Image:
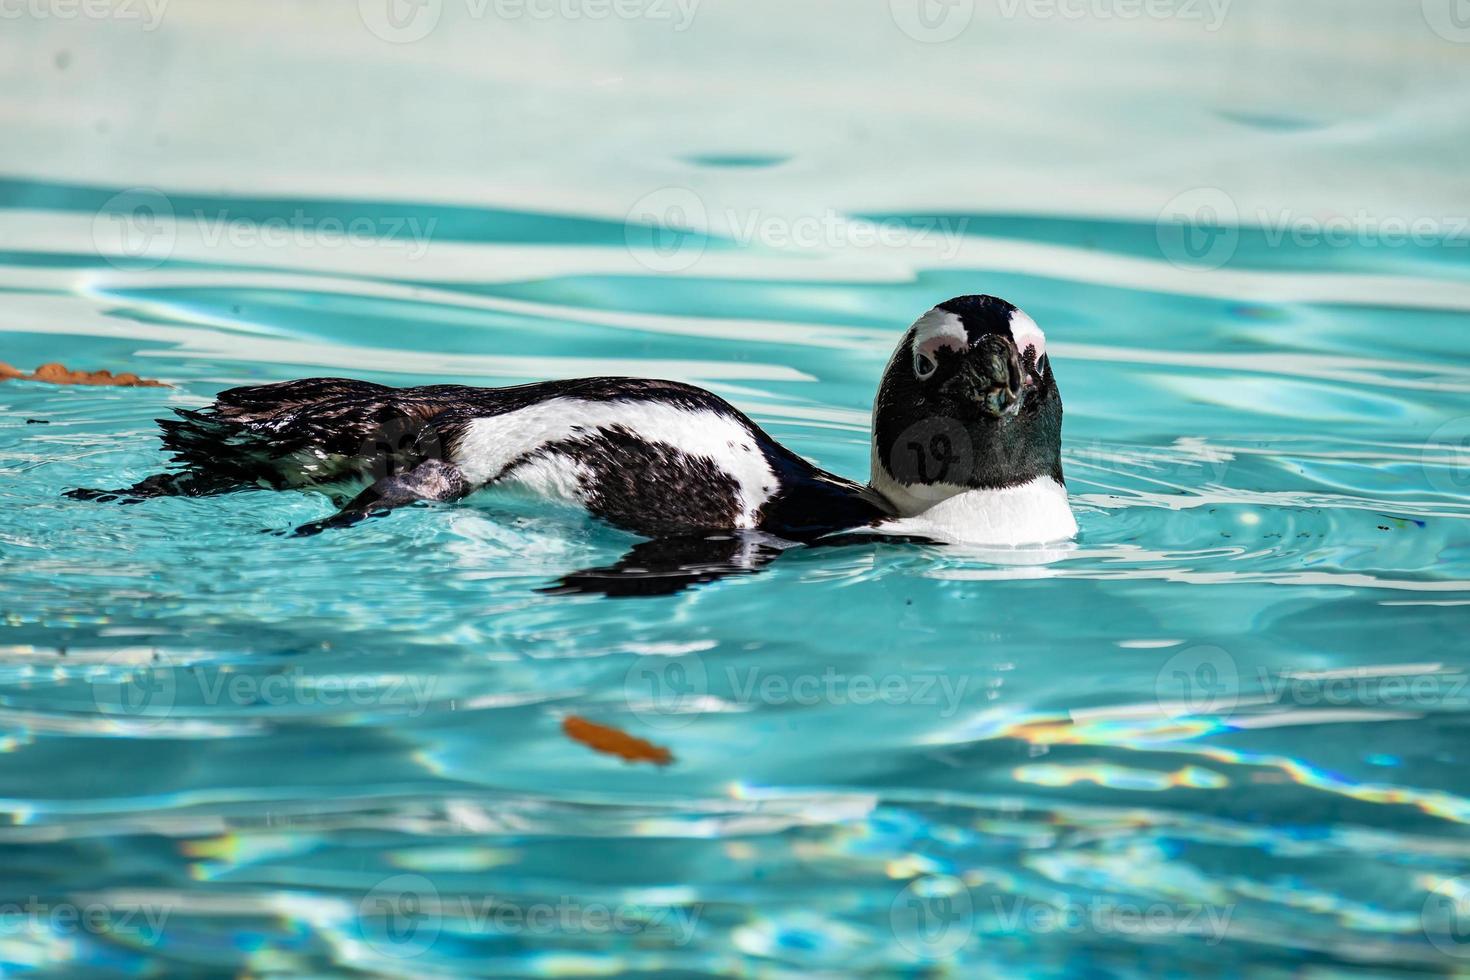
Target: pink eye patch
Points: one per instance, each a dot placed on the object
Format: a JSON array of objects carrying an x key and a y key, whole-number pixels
[
  {"x": 940, "y": 330},
  {"x": 1027, "y": 334}
]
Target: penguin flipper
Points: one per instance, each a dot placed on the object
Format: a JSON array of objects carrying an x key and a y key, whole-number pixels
[
  {"x": 432, "y": 480},
  {"x": 667, "y": 566},
  {"x": 187, "y": 484}
]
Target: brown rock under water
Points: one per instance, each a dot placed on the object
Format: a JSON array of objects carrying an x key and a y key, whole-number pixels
[{"x": 59, "y": 374}]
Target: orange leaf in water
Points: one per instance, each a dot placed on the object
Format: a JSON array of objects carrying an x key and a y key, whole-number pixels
[
  {"x": 60, "y": 374},
  {"x": 613, "y": 741}
]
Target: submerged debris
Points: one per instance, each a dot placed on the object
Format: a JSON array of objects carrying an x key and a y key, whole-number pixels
[{"x": 613, "y": 741}]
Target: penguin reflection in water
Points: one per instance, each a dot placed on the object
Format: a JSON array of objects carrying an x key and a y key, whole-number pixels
[{"x": 967, "y": 431}]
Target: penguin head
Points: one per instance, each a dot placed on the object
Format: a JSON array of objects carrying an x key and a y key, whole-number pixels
[{"x": 968, "y": 402}]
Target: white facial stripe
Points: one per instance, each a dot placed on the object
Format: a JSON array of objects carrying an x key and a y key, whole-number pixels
[
  {"x": 1026, "y": 333},
  {"x": 939, "y": 329},
  {"x": 491, "y": 444}
]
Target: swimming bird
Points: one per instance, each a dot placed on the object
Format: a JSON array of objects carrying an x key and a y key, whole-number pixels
[{"x": 966, "y": 446}]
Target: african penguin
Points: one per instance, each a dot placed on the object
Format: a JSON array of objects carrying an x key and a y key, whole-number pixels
[
  {"x": 967, "y": 428},
  {"x": 966, "y": 446}
]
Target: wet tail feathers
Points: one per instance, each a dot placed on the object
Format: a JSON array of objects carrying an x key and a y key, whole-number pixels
[
  {"x": 316, "y": 430},
  {"x": 311, "y": 432}
]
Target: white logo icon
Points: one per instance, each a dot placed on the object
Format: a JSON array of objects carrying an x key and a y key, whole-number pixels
[
  {"x": 135, "y": 229},
  {"x": 1200, "y": 681},
  {"x": 933, "y": 917},
  {"x": 1199, "y": 229},
  {"x": 400, "y": 21},
  {"x": 666, "y": 230},
  {"x": 932, "y": 21},
  {"x": 665, "y": 692},
  {"x": 400, "y": 917}
]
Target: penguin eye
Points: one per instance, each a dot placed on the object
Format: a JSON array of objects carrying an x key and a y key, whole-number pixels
[{"x": 924, "y": 366}]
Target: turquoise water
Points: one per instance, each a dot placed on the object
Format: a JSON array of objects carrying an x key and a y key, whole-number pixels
[{"x": 1223, "y": 733}]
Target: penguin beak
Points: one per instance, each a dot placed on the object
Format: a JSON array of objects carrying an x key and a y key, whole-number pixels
[{"x": 991, "y": 377}]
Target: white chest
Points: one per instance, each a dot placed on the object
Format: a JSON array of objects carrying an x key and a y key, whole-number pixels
[{"x": 1033, "y": 513}]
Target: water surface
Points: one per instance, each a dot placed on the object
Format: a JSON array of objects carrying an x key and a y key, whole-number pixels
[{"x": 1223, "y": 732}]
